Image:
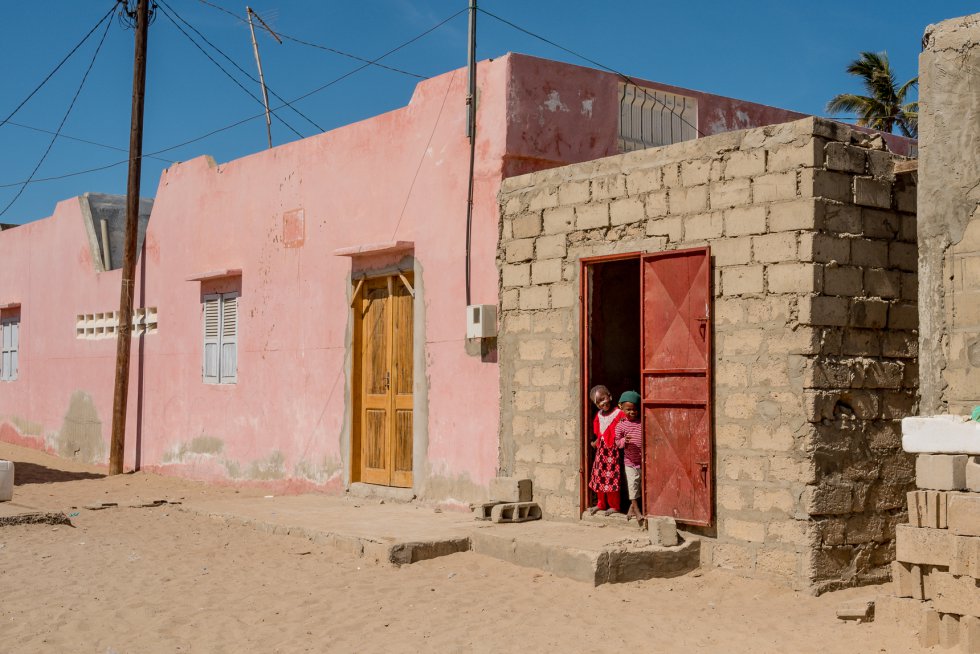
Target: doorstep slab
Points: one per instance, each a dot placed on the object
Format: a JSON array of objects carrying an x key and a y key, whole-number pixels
[{"x": 594, "y": 555}]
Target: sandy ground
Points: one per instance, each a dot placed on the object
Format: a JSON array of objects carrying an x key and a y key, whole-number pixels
[{"x": 166, "y": 580}]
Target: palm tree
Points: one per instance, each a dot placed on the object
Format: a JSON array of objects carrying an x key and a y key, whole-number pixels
[{"x": 884, "y": 107}]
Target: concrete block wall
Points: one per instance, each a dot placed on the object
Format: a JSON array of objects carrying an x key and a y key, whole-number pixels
[
  {"x": 936, "y": 575},
  {"x": 813, "y": 245},
  {"x": 949, "y": 220}
]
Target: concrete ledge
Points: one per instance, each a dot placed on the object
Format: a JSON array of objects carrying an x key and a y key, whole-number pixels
[
  {"x": 599, "y": 556},
  {"x": 941, "y": 435},
  {"x": 372, "y": 491}
]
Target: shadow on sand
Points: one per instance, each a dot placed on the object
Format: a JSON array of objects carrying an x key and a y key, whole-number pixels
[{"x": 32, "y": 473}]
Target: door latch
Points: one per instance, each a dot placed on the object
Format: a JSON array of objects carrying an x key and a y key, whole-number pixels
[
  {"x": 704, "y": 472},
  {"x": 387, "y": 381}
]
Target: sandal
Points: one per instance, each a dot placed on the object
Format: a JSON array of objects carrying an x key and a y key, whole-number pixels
[{"x": 593, "y": 510}]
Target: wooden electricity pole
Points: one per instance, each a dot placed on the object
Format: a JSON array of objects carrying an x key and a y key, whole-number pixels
[
  {"x": 125, "y": 326},
  {"x": 258, "y": 62}
]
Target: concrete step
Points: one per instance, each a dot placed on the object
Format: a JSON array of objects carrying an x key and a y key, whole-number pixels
[{"x": 591, "y": 554}]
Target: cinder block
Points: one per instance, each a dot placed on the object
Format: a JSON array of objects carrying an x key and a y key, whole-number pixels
[
  {"x": 482, "y": 511},
  {"x": 515, "y": 512},
  {"x": 510, "y": 489},
  {"x": 964, "y": 556},
  {"x": 935, "y": 505},
  {"x": 973, "y": 474},
  {"x": 917, "y": 508},
  {"x": 949, "y": 630},
  {"x": 903, "y": 581},
  {"x": 940, "y": 471},
  {"x": 909, "y": 615},
  {"x": 964, "y": 514},
  {"x": 969, "y": 635},
  {"x": 959, "y": 595},
  {"x": 662, "y": 530},
  {"x": 860, "y": 610},
  {"x": 922, "y": 545}
]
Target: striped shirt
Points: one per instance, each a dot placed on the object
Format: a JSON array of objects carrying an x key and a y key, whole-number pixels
[{"x": 629, "y": 437}]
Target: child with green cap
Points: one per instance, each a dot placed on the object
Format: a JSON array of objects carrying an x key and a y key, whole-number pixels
[{"x": 629, "y": 438}]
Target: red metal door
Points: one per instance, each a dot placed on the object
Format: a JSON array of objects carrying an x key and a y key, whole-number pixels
[{"x": 676, "y": 369}]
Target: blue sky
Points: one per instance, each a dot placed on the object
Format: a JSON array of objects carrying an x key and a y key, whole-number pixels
[{"x": 788, "y": 54}]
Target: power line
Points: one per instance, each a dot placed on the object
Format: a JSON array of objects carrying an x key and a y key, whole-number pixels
[
  {"x": 626, "y": 78},
  {"x": 75, "y": 138},
  {"x": 224, "y": 70},
  {"x": 60, "y": 64},
  {"x": 243, "y": 120},
  {"x": 242, "y": 70},
  {"x": 321, "y": 47},
  {"x": 71, "y": 105}
]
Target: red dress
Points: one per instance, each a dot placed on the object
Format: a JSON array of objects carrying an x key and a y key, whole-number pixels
[{"x": 605, "y": 467}]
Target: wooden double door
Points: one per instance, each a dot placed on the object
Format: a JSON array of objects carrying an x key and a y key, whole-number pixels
[{"x": 383, "y": 376}]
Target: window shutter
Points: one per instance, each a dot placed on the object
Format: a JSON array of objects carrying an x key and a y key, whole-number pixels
[
  {"x": 212, "y": 335},
  {"x": 229, "y": 338},
  {"x": 14, "y": 348}
]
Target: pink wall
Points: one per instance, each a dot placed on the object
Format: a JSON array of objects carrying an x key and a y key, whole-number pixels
[{"x": 400, "y": 176}]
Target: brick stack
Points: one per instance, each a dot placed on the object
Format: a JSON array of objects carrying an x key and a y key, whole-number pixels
[{"x": 936, "y": 575}]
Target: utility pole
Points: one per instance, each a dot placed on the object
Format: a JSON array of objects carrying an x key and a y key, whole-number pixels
[
  {"x": 125, "y": 325},
  {"x": 258, "y": 62},
  {"x": 471, "y": 134}
]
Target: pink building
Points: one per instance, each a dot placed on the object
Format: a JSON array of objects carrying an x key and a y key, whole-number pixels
[{"x": 302, "y": 312}]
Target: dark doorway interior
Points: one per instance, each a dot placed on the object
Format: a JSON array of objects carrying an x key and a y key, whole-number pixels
[{"x": 613, "y": 339}]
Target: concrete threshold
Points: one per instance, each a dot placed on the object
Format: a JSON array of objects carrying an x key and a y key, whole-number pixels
[
  {"x": 400, "y": 534},
  {"x": 592, "y": 554}
]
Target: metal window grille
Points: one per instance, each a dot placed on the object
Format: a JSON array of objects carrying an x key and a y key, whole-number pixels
[{"x": 650, "y": 119}]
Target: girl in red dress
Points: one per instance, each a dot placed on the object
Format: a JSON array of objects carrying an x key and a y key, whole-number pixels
[{"x": 605, "y": 468}]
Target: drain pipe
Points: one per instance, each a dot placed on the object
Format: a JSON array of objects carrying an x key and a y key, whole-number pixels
[{"x": 471, "y": 134}]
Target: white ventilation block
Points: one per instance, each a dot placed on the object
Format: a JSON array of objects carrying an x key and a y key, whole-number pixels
[
  {"x": 481, "y": 321},
  {"x": 6, "y": 481}
]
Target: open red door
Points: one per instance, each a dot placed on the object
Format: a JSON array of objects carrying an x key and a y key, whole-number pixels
[{"x": 676, "y": 368}]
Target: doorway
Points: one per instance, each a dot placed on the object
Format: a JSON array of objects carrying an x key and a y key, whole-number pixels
[
  {"x": 646, "y": 326},
  {"x": 382, "y": 381}
]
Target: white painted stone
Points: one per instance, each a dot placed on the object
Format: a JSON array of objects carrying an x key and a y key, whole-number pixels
[{"x": 941, "y": 435}]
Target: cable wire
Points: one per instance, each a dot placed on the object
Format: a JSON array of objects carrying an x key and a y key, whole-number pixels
[
  {"x": 240, "y": 69},
  {"x": 243, "y": 120},
  {"x": 71, "y": 105},
  {"x": 319, "y": 46},
  {"x": 626, "y": 78},
  {"x": 79, "y": 139},
  {"x": 60, "y": 64},
  {"x": 224, "y": 70}
]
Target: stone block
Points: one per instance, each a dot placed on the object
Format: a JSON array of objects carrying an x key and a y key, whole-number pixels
[
  {"x": 904, "y": 582},
  {"x": 824, "y": 310},
  {"x": 860, "y": 610},
  {"x": 729, "y": 193},
  {"x": 546, "y": 271},
  {"x": 482, "y": 511},
  {"x": 574, "y": 192},
  {"x": 543, "y": 199},
  {"x": 535, "y": 297},
  {"x": 644, "y": 181},
  {"x": 626, "y": 210},
  {"x": 909, "y": 615},
  {"x": 963, "y": 513},
  {"x": 869, "y": 253},
  {"x": 592, "y": 216},
  {"x": 959, "y": 595},
  {"x": 740, "y": 280},
  {"x": 794, "y": 278},
  {"x": 608, "y": 187},
  {"x": 558, "y": 221},
  {"x": 695, "y": 172},
  {"x": 732, "y": 251},
  {"x": 662, "y": 531},
  {"x": 904, "y": 256},
  {"x": 656, "y": 204},
  {"x": 870, "y": 192},
  {"x": 519, "y": 250},
  {"x": 969, "y": 634},
  {"x": 742, "y": 221},
  {"x": 973, "y": 474},
  {"x": 869, "y": 313},
  {"x": 845, "y": 281},
  {"x": 885, "y": 284},
  {"x": 774, "y": 186},
  {"x": 941, "y": 434},
  {"x": 927, "y": 509},
  {"x": 940, "y": 471},
  {"x": 794, "y": 216},
  {"x": 689, "y": 200},
  {"x": 826, "y": 184},
  {"x": 704, "y": 226},
  {"x": 547, "y": 247},
  {"x": 745, "y": 163},
  {"x": 949, "y": 630},
  {"x": 844, "y": 158},
  {"x": 965, "y": 556},
  {"x": 527, "y": 225},
  {"x": 516, "y": 275},
  {"x": 771, "y": 248},
  {"x": 923, "y": 545},
  {"x": 510, "y": 489}
]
